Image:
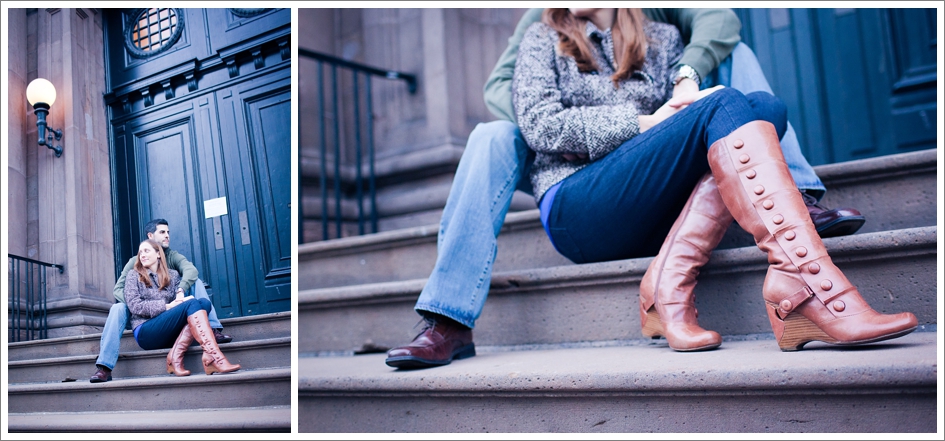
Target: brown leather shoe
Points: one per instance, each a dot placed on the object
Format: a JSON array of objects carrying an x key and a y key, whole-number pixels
[
  {"x": 101, "y": 375},
  {"x": 221, "y": 337},
  {"x": 836, "y": 222},
  {"x": 439, "y": 343}
]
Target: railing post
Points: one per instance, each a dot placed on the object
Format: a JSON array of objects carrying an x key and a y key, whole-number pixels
[
  {"x": 34, "y": 312},
  {"x": 359, "y": 144}
]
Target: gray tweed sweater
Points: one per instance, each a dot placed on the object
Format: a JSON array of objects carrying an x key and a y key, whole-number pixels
[
  {"x": 145, "y": 302},
  {"x": 560, "y": 110}
]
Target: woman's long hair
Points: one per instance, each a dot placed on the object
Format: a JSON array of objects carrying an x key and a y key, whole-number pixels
[
  {"x": 164, "y": 277},
  {"x": 629, "y": 40}
]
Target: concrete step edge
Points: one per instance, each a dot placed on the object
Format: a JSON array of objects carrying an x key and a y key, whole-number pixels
[
  {"x": 156, "y": 353},
  {"x": 237, "y": 419},
  {"x": 904, "y": 365},
  {"x": 199, "y": 379},
  {"x": 262, "y": 318},
  {"x": 869, "y": 169},
  {"x": 868, "y": 246}
]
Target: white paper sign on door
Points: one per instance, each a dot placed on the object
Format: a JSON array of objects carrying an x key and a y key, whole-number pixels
[{"x": 214, "y": 207}]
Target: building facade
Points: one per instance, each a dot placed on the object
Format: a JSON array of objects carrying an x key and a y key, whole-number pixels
[{"x": 182, "y": 114}]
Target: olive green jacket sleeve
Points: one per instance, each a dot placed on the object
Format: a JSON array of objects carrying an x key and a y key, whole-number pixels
[
  {"x": 119, "y": 291},
  {"x": 188, "y": 272},
  {"x": 498, "y": 90},
  {"x": 175, "y": 261},
  {"x": 710, "y": 35}
]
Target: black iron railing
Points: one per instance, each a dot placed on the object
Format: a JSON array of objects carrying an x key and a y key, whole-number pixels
[
  {"x": 328, "y": 71},
  {"x": 28, "y": 298}
]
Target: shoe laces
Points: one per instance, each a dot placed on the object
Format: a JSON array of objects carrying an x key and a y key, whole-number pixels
[
  {"x": 812, "y": 201},
  {"x": 428, "y": 323}
]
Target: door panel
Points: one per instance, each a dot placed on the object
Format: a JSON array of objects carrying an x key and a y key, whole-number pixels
[{"x": 255, "y": 120}]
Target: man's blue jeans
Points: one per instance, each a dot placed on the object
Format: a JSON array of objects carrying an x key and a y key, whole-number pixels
[
  {"x": 117, "y": 322},
  {"x": 496, "y": 162}
]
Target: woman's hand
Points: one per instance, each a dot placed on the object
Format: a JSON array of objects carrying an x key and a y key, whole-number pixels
[
  {"x": 177, "y": 301},
  {"x": 674, "y": 105},
  {"x": 684, "y": 97}
]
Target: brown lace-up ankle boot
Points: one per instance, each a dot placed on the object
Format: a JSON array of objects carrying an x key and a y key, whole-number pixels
[
  {"x": 807, "y": 297},
  {"x": 667, "y": 302}
]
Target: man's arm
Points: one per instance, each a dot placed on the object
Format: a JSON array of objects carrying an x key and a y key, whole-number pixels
[
  {"x": 710, "y": 35},
  {"x": 119, "y": 291},
  {"x": 498, "y": 89},
  {"x": 187, "y": 270}
]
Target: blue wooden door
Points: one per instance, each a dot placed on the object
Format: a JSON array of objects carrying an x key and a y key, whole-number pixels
[
  {"x": 201, "y": 136},
  {"x": 858, "y": 83}
]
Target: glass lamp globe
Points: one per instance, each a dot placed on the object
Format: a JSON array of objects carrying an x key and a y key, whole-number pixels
[{"x": 41, "y": 90}]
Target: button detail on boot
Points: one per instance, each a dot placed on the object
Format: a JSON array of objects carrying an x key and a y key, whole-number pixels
[
  {"x": 790, "y": 235},
  {"x": 744, "y": 159},
  {"x": 814, "y": 268},
  {"x": 751, "y": 174},
  {"x": 801, "y": 252},
  {"x": 826, "y": 285},
  {"x": 767, "y": 204},
  {"x": 738, "y": 143},
  {"x": 777, "y": 219},
  {"x": 839, "y": 306},
  {"x": 759, "y": 190},
  {"x": 786, "y": 305}
]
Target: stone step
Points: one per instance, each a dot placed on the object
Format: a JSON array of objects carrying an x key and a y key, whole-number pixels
[
  {"x": 240, "y": 419},
  {"x": 894, "y": 271},
  {"x": 250, "y": 354},
  {"x": 744, "y": 386},
  {"x": 893, "y": 192},
  {"x": 244, "y": 388},
  {"x": 264, "y": 326}
]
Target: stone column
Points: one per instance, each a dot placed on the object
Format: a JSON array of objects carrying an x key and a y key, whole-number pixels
[
  {"x": 18, "y": 119},
  {"x": 74, "y": 191}
]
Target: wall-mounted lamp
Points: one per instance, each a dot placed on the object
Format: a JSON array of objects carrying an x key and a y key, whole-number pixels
[{"x": 41, "y": 95}]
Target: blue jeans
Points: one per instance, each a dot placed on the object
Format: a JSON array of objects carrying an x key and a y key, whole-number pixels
[
  {"x": 742, "y": 72},
  {"x": 623, "y": 205},
  {"x": 494, "y": 163},
  {"x": 117, "y": 322},
  {"x": 160, "y": 332}
]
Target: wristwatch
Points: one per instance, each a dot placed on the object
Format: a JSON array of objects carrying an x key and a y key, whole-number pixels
[{"x": 686, "y": 71}]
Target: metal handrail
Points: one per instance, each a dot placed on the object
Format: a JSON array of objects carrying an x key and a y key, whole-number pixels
[
  {"x": 34, "y": 311},
  {"x": 390, "y": 74},
  {"x": 357, "y": 69}
]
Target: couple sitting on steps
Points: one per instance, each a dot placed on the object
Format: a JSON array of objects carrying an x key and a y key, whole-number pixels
[
  {"x": 168, "y": 307},
  {"x": 641, "y": 133}
]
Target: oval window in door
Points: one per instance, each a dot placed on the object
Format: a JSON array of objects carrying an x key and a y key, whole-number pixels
[{"x": 152, "y": 31}]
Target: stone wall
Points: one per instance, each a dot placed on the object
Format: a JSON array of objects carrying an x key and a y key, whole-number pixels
[
  {"x": 60, "y": 208},
  {"x": 418, "y": 137}
]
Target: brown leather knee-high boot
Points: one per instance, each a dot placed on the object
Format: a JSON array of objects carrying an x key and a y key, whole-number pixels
[
  {"x": 807, "y": 297},
  {"x": 175, "y": 358},
  {"x": 213, "y": 359},
  {"x": 667, "y": 302}
]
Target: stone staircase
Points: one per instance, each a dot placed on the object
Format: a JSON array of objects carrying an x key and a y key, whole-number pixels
[
  {"x": 49, "y": 389},
  {"x": 560, "y": 349}
]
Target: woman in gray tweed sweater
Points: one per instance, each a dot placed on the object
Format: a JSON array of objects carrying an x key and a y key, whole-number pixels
[
  {"x": 161, "y": 319},
  {"x": 622, "y": 173}
]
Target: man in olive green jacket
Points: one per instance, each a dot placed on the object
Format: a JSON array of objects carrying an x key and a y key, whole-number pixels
[
  {"x": 118, "y": 315},
  {"x": 497, "y": 158}
]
